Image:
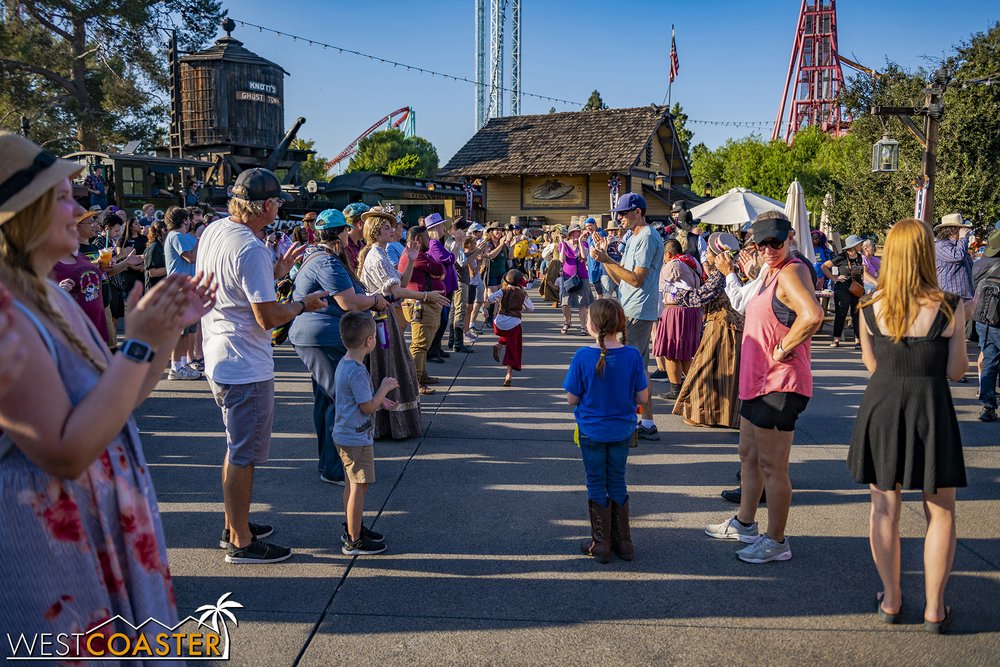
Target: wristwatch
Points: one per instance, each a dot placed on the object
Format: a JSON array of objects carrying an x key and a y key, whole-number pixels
[
  {"x": 304, "y": 308},
  {"x": 136, "y": 350}
]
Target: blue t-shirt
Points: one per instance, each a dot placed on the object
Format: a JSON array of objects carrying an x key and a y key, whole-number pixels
[
  {"x": 321, "y": 327},
  {"x": 606, "y": 412},
  {"x": 177, "y": 243},
  {"x": 395, "y": 250},
  {"x": 643, "y": 250},
  {"x": 351, "y": 427}
]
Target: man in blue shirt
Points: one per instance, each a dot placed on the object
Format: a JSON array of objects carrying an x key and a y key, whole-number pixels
[
  {"x": 637, "y": 276},
  {"x": 180, "y": 250}
]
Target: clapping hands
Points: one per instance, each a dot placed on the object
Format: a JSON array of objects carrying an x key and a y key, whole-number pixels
[{"x": 177, "y": 302}]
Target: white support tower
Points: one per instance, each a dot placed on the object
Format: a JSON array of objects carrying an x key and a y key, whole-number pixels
[
  {"x": 482, "y": 77},
  {"x": 515, "y": 58},
  {"x": 498, "y": 15}
]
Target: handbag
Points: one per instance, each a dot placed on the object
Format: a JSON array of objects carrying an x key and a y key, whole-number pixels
[
  {"x": 856, "y": 288},
  {"x": 571, "y": 284}
]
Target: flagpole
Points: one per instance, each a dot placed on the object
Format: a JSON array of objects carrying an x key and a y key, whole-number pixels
[{"x": 670, "y": 79}]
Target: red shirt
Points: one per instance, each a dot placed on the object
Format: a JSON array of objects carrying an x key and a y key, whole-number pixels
[
  {"x": 86, "y": 289},
  {"x": 428, "y": 273}
]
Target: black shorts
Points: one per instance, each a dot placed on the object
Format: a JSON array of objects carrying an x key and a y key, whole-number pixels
[{"x": 778, "y": 410}]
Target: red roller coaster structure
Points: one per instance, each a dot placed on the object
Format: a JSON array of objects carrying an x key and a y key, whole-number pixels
[
  {"x": 814, "y": 78},
  {"x": 405, "y": 115}
]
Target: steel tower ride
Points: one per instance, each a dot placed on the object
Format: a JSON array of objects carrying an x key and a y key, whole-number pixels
[{"x": 815, "y": 78}]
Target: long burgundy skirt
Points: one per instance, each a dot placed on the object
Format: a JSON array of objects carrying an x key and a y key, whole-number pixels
[
  {"x": 511, "y": 341},
  {"x": 678, "y": 333}
]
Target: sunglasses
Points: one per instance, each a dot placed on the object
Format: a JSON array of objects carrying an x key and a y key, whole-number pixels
[{"x": 773, "y": 244}]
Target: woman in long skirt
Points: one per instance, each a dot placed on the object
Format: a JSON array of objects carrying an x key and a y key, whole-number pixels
[
  {"x": 710, "y": 395},
  {"x": 380, "y": 275}
]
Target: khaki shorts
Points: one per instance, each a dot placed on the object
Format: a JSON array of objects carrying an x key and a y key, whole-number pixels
[{"x": 359, "y": 463}]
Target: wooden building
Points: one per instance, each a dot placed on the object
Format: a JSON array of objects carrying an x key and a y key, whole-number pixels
[{"x": 553, "y": 168}]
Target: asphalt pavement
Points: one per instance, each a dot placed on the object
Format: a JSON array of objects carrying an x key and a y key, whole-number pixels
[{"x": 483, "y": 515}]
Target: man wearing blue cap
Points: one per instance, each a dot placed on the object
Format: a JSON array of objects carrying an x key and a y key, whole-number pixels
[{"x": 637, "y": 276}]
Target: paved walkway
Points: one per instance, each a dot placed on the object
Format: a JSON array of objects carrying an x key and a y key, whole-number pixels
[{"x": 483, "y": 514}]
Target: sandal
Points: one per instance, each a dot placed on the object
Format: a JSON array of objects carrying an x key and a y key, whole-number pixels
[
  {"x": 886, "y": 617},
  {"x": 565, "y": 329},
  {"x": 584, "y": 332},
  {"x": 506, "y": 382},
  {"x": 424, "y": 390},
  {"x": 941, "y": 627},
  {"x": 835, "y": 343}
]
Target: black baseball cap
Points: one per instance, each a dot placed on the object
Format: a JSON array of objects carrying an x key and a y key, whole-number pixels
[
  {"x": 771, "y": 225},
  {"x": 257, "y": 185}
]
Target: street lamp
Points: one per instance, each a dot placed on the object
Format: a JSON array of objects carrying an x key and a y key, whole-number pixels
[
  {"x": 708, "y": 189},
  {"x": 658, "y": 180},
  {"x": 885, "y": 155},
  {"x": 430, "y": 187}
]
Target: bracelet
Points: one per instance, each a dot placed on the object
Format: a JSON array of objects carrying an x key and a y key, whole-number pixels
[
  {"x": 374, "y": 301},
  {"x": 425, "y": 297}
]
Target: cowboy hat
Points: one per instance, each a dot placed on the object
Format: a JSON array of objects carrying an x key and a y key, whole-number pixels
[
  {"x": 575, "y": 227},
  {"x": 431, "y": 221},
  {"x": 953, "y": 220},
  {"x": 26, "y": 173},
  {"x": 86, "y": 216},
  {"x": 494, "y": 225},
  {"x": 377, "y": 213},
  {"x": 613, "y": 225}
]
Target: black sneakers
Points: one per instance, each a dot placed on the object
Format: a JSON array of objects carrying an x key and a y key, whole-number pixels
[
  {"x": 257, "y": 551},
  {"x": 365, "y": 546},
  {"x": 257, "y": 531},
  {"x": 647, "y": 433},
  {"x": 987, "y": 414},
  {"x": 365, "y": 532}
]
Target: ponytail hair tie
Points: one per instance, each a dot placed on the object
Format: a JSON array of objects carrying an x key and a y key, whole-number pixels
[{"x": 603, "y": 353}]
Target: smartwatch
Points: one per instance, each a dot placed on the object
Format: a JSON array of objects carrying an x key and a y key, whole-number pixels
[{"x": 136, "y": 350}]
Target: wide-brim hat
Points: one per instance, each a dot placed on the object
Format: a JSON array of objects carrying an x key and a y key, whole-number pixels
[
  {"x": 431, "y": 221},
  {"x": 378, "y": 214},
  {"x": 852, "y": 241},
  {"x": 494, "y": 225},
  {"x": 86, "y": 216},
  {"x": 26, "y": 173},
  {"x": 720, "y": 242},
  {"x": 992, "y": 245},
  {"x": 575, "y": 227},
  {"x": 613, "y": 225},
  {"x": 476, "y": 227},
  {"x": 952, "y": 220}
]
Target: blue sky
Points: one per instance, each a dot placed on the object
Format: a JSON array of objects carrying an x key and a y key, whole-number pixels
[{"x": 733, "y": 56}]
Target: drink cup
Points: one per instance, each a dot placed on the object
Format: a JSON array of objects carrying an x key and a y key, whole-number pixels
[{"x": 105, "y": 258}]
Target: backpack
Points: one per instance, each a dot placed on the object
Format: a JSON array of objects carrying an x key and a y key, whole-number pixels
[
  {"x": 988, "y": 299},
  {"x": 284, "y": 289}
]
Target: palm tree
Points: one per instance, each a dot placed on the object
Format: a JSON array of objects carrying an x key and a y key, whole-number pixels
[{"x": 219, "y": 612}]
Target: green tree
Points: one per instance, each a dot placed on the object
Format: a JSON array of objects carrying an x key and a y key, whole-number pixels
[
  {"x": 313, "y": 169},
  {"x": 392, "y": 152},
  {"x": 684, "y": 135},
  {"x": 594, "y": 102},
  {"x": 93, "y": 73}
]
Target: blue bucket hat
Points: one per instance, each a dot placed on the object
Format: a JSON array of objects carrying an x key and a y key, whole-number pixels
[
  {"x": 356, "y": 209},
  {"x": 331, "y": 218}
]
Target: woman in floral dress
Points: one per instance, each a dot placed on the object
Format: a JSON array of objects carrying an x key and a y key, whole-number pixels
[{"x": 80, "y": 526}]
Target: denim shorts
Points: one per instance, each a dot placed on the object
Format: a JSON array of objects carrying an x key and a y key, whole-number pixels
[{"x": 248, "y": 413}]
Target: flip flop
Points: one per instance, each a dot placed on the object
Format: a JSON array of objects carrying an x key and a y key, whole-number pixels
[
  {"x": 941, "y": 627},
  {"x": 886, "y": 617}
]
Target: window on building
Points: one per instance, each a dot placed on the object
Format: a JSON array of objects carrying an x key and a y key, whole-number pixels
[{"x": 132, "y": 181}]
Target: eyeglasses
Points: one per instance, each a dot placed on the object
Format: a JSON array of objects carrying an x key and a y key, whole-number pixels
[
  {"x": 278, "y": 201},
  {"x": 773, "y": 244},
  {"x": 22, "y": 178}
]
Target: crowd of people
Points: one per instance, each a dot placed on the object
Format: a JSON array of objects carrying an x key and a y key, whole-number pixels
[{"x": 367, "y": 306}]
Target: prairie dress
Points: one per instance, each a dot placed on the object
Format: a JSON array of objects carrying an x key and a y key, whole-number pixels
[
  {"x": 511, "y": 341},
  {"x": 404, "y": 420}
]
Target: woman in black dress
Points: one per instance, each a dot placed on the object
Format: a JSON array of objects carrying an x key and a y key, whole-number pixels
[{"x": 906, "y": 436}]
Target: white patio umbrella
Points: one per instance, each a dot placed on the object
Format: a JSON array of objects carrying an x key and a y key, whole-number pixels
[
  {"x": 734, "y": 208},
  {"x": 795, "y": 211}
]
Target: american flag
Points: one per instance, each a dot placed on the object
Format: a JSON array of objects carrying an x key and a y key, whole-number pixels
[{"x": 674, "y": 65}]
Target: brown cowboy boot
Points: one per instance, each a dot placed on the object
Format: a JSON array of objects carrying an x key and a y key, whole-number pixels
[
  {"x": 621, "y": 535},
  {"x": 600, "y": 532}
]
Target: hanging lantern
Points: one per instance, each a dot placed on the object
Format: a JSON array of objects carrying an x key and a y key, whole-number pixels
[
  {"x": 885, "y": 155},
  {"x": 658, "y": 180}
]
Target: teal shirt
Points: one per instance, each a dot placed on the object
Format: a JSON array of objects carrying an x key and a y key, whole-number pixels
[{"x": 642, "y": 250}]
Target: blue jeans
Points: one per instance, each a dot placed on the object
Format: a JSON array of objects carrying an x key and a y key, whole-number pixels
[
  {"x": 322, "y": 364},
  {"x": 604, "y": 463},
  {"x": 989, "y": 343}
]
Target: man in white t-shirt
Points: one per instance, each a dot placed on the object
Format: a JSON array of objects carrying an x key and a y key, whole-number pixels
[{"x": 237, "y": 346}]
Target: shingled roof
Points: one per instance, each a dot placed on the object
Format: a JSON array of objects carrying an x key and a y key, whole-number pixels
[{"x": 579, "y": 142}]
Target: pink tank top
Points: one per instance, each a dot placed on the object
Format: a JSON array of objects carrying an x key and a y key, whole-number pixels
[{"x": 759, "y": 373}]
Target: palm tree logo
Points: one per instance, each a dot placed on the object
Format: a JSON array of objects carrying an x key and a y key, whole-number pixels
[{"x": 218, "y": 613}]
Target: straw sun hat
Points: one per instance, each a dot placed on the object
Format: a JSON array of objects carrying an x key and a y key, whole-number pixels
[{"x": 26, "y": 173}]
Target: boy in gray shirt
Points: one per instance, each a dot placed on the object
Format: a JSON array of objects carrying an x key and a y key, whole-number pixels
[{"x": 353, "y": 428}]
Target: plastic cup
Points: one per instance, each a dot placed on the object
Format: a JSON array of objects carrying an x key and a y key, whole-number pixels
[{"x": 105, "y": 258}]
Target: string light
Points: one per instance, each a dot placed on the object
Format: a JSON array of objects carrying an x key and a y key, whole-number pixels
[{"x": 452, "y": 77}]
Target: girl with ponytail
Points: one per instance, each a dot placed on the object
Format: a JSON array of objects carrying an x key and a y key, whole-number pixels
[
  {"x": 514, "y": 302},
  {"x": 605, "y": 383}
]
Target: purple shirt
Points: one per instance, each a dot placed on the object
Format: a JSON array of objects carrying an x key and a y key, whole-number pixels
[
  {"x": 954, "y": 267},
  {"x": 438, "y": 252}
]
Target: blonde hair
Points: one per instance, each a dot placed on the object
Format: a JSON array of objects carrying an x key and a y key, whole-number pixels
[
  {"x": 20, "y": 238},
  {"x": 608, "y": 318},
  {"x": 908, "y": 278},
  {"x": 373, "y": 227},
  {"x": 244, "y": 210}
]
